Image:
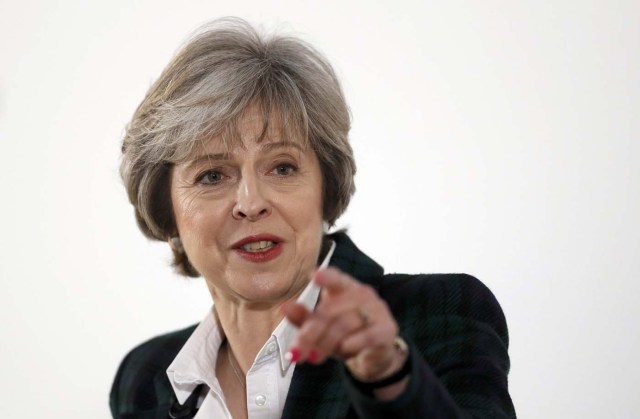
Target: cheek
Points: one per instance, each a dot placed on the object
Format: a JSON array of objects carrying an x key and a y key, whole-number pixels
[
  {"x": 187, "y": 213},
  {"x": 197, "y": 219},
  {"x": 311, "y": 203},
  {"x": 307, "y": 212},
  {"x": 310, "y": 220}
]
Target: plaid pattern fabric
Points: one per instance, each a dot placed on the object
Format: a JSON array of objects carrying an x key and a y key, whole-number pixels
[{"x": 459, "y": 361}]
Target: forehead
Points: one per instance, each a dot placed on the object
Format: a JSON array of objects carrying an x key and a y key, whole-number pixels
[
  {"x": 248, "y": 145},
  {"x": 255, "y": 128}
]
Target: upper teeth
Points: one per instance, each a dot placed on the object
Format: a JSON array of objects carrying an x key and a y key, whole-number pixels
[{"x": 257, "y": 246}]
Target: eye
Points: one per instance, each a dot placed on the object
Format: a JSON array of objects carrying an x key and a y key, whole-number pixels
[
  {"x": 210, "y": 177},
  {"x": 284, "y": 169}
]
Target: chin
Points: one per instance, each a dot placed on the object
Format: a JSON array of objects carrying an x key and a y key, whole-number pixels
[{"x": 269, "y": 289}]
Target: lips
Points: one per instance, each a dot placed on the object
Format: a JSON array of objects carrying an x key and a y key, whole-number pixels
[{"x": 259, "y": 248}]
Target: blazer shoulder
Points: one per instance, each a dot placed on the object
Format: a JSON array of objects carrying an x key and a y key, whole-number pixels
[
  {"x": 436, "y": 283},
  {"x": 141, "y": 382},
  {"x": 452, "y": 295}
]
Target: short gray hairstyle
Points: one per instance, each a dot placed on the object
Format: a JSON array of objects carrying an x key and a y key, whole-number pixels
[{"x": 223, "y": 69}]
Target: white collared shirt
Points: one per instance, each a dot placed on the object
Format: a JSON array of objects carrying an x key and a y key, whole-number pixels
[{"x": 268, "y": 379}]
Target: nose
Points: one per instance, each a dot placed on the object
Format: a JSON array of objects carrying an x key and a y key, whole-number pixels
[{"x": 251, "y": 204}]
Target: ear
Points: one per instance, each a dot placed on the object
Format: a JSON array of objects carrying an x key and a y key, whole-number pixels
[{"x": 176, "y": 244}]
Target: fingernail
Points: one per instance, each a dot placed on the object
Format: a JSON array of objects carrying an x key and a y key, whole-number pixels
[
  {"x": 319, "y": 278},
  {"x": 313, "y": 356},
  {"x": 293, "y": 355}
]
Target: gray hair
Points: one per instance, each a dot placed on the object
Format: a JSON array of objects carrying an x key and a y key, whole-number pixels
[{"x": 205, "y": 90}]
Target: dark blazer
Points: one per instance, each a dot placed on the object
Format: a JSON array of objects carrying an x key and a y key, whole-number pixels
[{"x": 458, "y": 344}]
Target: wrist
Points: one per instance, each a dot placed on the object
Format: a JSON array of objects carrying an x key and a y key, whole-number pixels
[
  {"x": 399, "y": 361},
  {"x": 399, "y": 370}
]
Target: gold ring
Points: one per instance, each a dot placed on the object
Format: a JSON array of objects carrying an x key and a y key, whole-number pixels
[{"x": 364, "y": 316}]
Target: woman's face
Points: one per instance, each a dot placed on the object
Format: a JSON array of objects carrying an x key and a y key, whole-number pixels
[{"x": 250, "y": 218}]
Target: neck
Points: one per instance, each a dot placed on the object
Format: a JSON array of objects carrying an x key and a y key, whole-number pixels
[{"x": 247, "y": 327}]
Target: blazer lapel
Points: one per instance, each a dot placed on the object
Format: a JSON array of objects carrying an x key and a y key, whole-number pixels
[
  {"x": 349, "y": 259},
  {"x": 316, "y": 391}
]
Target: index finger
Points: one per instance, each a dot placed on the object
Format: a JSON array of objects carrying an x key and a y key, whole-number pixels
[
  {"x": 296, "y": 313},
  {"x": 333, "y": 280}
]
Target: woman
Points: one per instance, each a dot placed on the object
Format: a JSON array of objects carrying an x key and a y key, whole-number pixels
[{"x": 239, "y": 157}]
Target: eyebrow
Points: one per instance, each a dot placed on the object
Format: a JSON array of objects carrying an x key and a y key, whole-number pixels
[
  {"x": 228, "y": 156},
  {"x": 208, "y": 157}
]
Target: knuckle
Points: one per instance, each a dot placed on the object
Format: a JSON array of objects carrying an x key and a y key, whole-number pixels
[
  {"x": 368, "y": 292},
  {"x": 369, "y": 339},
  {"x": 321, "y": 311},
  {"x": 340, "y": 328},
  {"x": 390, "y": 329},
  {"x": 303, "y": 339},
  {"x": 346, "y": 349},
  {"x": 310, "y": 331}
]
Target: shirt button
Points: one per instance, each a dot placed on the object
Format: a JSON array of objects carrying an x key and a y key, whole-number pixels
[
  {"x": 271, "y": 348},
  {"x": 260, "y": 400}
]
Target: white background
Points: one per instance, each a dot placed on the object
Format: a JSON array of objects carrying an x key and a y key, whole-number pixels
[{"x": 496, "y": 138}]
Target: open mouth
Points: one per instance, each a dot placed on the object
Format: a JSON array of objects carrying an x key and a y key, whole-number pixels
[{"x": 257, "y": 247}]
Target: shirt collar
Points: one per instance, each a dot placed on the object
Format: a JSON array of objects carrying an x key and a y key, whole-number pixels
[{"x": 195, "y": 363}]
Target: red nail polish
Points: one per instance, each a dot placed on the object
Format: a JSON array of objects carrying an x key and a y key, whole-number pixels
[
  {"x": 313, "y": 356},
  {"x": 319, "y": 278},
  {"x": 295, "y": 354}
]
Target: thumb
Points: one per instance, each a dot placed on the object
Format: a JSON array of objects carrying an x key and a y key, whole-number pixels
[{"x": 296, "y": 313}]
